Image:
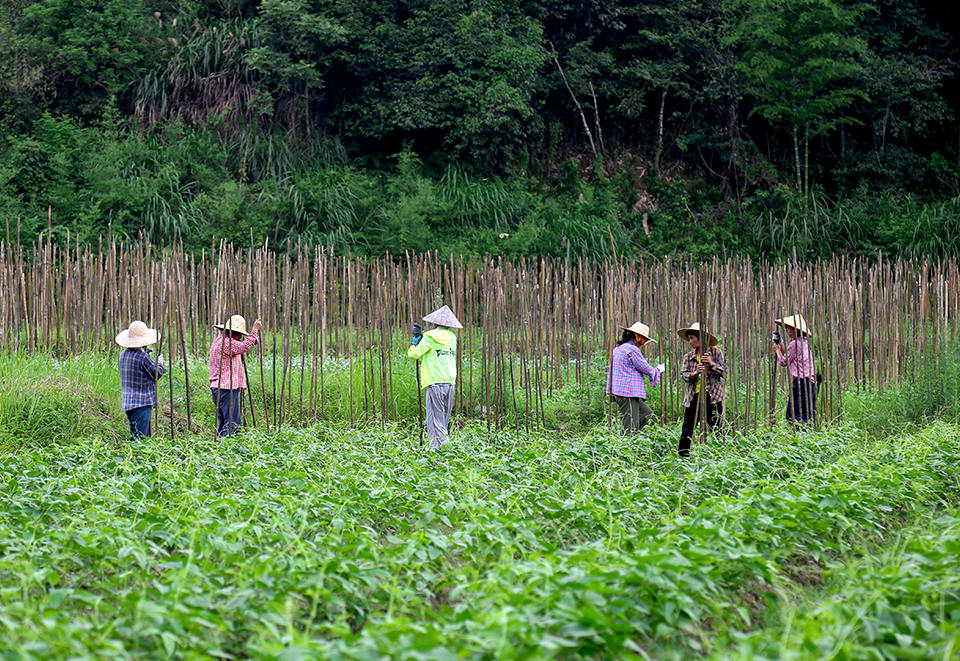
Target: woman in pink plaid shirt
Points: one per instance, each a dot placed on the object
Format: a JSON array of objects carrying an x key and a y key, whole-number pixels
[
  {"x": 227, "y": 377},
  {"x": 625, "y": 384},
  {"x": 798, "y": 358}
]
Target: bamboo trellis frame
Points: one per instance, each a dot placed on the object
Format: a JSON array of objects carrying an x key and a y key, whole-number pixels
[{"x": 531, "y": 326}]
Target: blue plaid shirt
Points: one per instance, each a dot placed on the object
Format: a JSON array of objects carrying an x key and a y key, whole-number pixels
[{"x": 138, "y": 379}]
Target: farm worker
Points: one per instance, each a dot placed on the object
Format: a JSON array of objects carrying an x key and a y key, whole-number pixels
[
  {"x": 625, "y": 383},
  {"x": 703, "y": 371},
  {"x": 437, "y": 352},
  {"x": 802, "y": 402},
  {"x": 227, "y": 380},
  {"x": 138, "y": 377}
]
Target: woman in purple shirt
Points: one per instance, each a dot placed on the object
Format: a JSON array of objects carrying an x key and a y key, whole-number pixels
[
  {"x": 798, "y": 358},
  {"x": 625, "y": 383}
]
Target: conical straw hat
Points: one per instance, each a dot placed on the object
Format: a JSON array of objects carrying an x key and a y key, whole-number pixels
[
  {"x": 796, "y": 322},
  {"x": 137, "y": 335},
  {"x": 712, "y": 340},
  {"x": 443, "y": 317},
  {"x": 640, "y": 329},
  {"x": 236, "y": 324}
]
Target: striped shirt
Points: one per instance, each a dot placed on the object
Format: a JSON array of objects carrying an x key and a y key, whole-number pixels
[
  {"x": 799, "y": 357},
  {"x": 627, "y": 370},
  {"x": 138, "y": 379}
]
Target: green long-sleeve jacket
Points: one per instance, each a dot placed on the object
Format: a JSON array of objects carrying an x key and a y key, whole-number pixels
[{"x": 437, "y": 353}]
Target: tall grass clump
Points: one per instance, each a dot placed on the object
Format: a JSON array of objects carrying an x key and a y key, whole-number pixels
[
  {"x": 44, "y": 400},
  {"x": 933, "y": 395},
  {"x": 51, "y": 411},
  {"x": 858, "y": 224}
]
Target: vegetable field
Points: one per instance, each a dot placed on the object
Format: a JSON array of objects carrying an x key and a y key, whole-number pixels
[{"x": 354, "y": 544}]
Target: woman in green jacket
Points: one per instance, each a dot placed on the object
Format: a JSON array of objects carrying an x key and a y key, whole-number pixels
[{"x": 437, "y": 352}]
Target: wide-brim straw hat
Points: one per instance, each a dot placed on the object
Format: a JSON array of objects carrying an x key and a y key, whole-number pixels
[
  {"x": 443, "y": 317},
  {"x": 796, "y": 321},
  {"x": 712, "y": 340},
  {"x": 138, "y": 335},
  {"x": 640, "y": 329},
  {"x": 236, "y": 324}
]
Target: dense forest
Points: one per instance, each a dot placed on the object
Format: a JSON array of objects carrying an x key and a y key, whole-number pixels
[{"x": 510, "y": 127}]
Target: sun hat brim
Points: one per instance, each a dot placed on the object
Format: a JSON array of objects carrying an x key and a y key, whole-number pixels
[
  {"x": 712, "y": 339},
  {"x": 232, "y": 330},
  {"x": 124, "y": 340},
  {"x": 637, "y": 332},
  {"x": 789, "y": 322},
  {"x": 443, "y": 317}
]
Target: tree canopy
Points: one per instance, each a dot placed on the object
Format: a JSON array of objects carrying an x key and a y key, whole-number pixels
[{"x": 753, "y": 98}]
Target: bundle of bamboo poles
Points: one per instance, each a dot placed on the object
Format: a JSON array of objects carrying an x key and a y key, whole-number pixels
[{"x": 531, "y": 326}]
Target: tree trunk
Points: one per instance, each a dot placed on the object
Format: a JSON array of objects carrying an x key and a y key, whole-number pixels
[
  {"x": 663, "y": 103},
  {"x": 796, "y": 159},
  {"x": 576, "y": 102},
  {"x": 596, "y": 118},
  {"x": 806, "y": 169},
  {"x": 883, "y": 129},
  {"x": 843, "y": 153}
]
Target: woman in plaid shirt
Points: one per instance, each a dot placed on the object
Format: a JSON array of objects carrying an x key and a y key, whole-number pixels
[
  {"x": 625, "y": 384},
  {"x": 227, "y": 376},
  {"x": 701, "y": 369},
  {"x": 138, "y": 377},
  {"x": 798, "y": 357}
]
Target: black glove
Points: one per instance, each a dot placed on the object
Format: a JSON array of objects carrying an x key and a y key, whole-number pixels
[{"x": 417, "y": 335}]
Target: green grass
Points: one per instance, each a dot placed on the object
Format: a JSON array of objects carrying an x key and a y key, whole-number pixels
[
  {"x": 80, "y": 394},
  {"x": 345, "y": 395}
]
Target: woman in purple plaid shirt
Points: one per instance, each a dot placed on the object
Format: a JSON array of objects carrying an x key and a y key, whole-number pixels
[
  {"x": 625, "y": 384},
  {"x": 138, "y": 377}
]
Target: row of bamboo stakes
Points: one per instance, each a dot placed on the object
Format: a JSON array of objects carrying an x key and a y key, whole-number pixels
[{"x": 531, "y": 326}]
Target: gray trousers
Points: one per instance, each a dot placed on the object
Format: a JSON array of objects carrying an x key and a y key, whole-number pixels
[
  {"x": 439, "y": 409},
  {"x": 634, "y": 412}
]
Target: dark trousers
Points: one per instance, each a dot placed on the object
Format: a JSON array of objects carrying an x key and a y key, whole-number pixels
[
  {"x": 228, "y": 410},
  {"x": 139, "y": 422},
  {"x": 690, "y": 415},
  {"x": 802, "y": 404},
  {"x": 634, "y": 412}
]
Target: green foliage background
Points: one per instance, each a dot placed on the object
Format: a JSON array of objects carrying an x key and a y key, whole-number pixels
[{"x": 508, "y": 127}]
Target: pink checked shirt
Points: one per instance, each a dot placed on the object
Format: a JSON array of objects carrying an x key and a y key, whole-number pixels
[
  {"x": 627, "y": 370},
  {"x": 800, "y": 359},
  {"x": 225, "y": 361}
]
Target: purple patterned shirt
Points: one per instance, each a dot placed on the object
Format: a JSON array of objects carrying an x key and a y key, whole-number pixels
[
  {"x": 138, "y": 379},
  {"x": 627, "y": 370}
]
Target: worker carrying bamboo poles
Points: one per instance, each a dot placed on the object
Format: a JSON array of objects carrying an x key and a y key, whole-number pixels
[
  {"x": 227, "y": 378},
  {"x": 798, "y": 358},
  {"x": 437, "y": 352},
  {"x": 702, "y": 370},
  {"x": 625, "y": 382},
  {"x": 138, "y": 377}
]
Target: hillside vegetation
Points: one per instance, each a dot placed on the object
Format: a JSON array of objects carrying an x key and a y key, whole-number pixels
[{"x": 513, "y": 127}]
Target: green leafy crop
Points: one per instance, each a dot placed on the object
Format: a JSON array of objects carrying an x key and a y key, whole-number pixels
[{"x": 338, "y": 543}]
